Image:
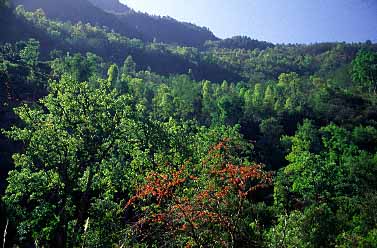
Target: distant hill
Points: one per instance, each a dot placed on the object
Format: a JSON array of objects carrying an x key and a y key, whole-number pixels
[
  {"x": 111, "y": 6},
  {"x": 121, "y": 19},
  {"x": 239, "y": 42}
]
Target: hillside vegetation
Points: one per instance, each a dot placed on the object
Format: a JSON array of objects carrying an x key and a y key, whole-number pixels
[
  {"x": 112, "y": 139},
  {"x": 130, "y": 23}
]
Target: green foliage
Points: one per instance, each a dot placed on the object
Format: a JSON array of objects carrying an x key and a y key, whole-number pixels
[
  {"x": 70, "y": 155},
  {"x": 113, "y": 74},
  {"x": 329, "y": 179},
  {"x": 108, "y": 122},
  {"x": 364, "y": 70},
  {"x": 239, "y": 42},
  {"x": 211, "y": 63},
  {"x": 129, "y": 66},
  {"x": 83, "y": 149},
  {"x": 29, "y": 55},
  {"x": 87, "y": 148},
  {"x": 116, "y": 16},
  {"x": 287, "y": 232},
  {"x": 78, "y": 67}
]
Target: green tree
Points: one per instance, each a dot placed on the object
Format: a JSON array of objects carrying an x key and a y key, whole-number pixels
[
  {"x": 329, "y": 178},
  {"x": 269, "y": 97},
  {"x": 288, "y": 232},
  {"x": 364, "y": 70},
  {"x": 81, "y": 68},
  {"x": 185, "y": 93},
  {"x": 258, "y": 95},
  {"x": 77, "y": 167},
  {"x": 30, "y": 55},
  {"x": 129, "y": 66},
  {"x": 113, "y": 74},
  {"x": 230, "y": 110},
  {"x": 208, "y": 104},
  {"x": 163, "y": 103},
  {"x": 268, "y": 142},
  {"x": 248, "y": 103}
]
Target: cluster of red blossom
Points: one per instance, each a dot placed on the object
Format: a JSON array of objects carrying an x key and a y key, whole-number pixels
[{"x": 209, "y": 200}]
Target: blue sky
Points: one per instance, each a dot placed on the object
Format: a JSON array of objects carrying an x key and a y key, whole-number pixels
[{"x": 279, "y": 21}]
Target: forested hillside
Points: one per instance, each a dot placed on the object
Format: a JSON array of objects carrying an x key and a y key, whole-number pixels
[
  {"x": 111, "y": 6},
  {"x": 112, "y": 141},
  {"x": 131, "y": 24}
]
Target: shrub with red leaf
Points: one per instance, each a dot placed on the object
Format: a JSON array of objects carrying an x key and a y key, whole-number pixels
[{"x": 205, "y": 206}]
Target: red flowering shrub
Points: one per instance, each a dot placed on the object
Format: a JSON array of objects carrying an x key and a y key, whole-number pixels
[{"x": 198, "y": 205}]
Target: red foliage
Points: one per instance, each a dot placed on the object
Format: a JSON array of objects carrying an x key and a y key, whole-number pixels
[
  {"x": 239, "y": 176},
  {"x": 213, "y": 193},
  {"x": 159, "y": 186}
]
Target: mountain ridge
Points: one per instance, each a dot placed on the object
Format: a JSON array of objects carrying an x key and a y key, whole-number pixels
[
  {"x": 122, "y": 19},
  {"x": 111, "y": 5}
]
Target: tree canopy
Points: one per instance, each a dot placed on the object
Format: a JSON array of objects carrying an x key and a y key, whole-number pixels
[{"x": 110, "y": 141}]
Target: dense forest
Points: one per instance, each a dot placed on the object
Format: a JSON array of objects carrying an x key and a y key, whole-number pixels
[
  {"x": 123, "y": 20},
  {"x": 113, "y": 137}
]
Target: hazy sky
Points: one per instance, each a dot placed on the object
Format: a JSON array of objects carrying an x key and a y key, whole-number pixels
[{"x": 282, "y": 21}]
